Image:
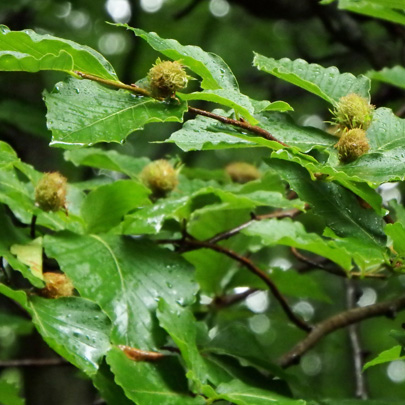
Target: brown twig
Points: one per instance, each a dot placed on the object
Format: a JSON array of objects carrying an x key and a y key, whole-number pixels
[
  {"x": 228, "y": 300},
  {"x": 139, "y": 90},
  {"x": 57, "y": 361},
  {"x": 231, "y": 232},
  {"x": 241, "y": 124},
  {"x": 353, "y": 330},
  {"x": 337, "y": 271},
  {"x": 196, "y": 244},
  {"x": 341, "y": 320},
  {"x": 131, "y": 87},
  {"x": 32, "y": 226}
]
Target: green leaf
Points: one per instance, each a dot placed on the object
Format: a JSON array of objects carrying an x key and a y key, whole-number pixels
[
  {"x": 230, "y": 98},
  {"x": 125, "y": 277},
  {"x": 11, "y": 235},
  {"x": 298, "y": 285},
  {"x": 74, "y": 327},
  {"x": 327, "y": 83},
  {"x": 397, "y": 233},
  {"x": 292, "y": 233},
  {"x": 215, "y": 73},
  {"x": 204, "y": 133},
  {"x": 180, "y": 324},
  {"x": 105, "y": 206},
  {"x": 109, "y": 160},
  {"x": 31, "y": 255},
  {"x": 395, "y": 353},
  {"x": 389, "y": 10},
  {"x": 108, "y": 388},
  {"x": 386, "y": 159},
  {"x": 82, "y": 112},
  {"x": 150, "y": 219},
  {"x": 394, "y": 76},
  {"x": 337, "y": 173},
  {"x": 286, "y": 130},
  {"x": 399, "y": 336},
  {"x": 31, "y": 52},
  {"x": 358, "y": 230},
  {"x": 9, "y": 394},
  {"x": 7, "y": 154},
  {"x": 18, "y": 194},
  {"x": 240, "y": 393},
  {"x": 146, "y": 383}
]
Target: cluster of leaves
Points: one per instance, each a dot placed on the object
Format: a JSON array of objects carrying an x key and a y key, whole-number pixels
[{"x": 143, "y": 267}]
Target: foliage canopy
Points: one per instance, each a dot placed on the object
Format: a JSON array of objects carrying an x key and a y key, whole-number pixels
[{"x": 173, "y": 285}]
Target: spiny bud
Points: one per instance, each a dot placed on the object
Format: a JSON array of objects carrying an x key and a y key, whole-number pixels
[
  {"x": 160, "y": 176},
  {"x": 50, "y": 192},
  {"x": 353, "y": 111},
  {"x": 166, "y": 78},
  {"x": 241, "y": 172},
  {"x": 56, "y": 285},
  {"x": 352, "y": 144}
]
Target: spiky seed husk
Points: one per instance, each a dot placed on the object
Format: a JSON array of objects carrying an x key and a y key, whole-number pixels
[
  {"x": 160, "y": 176},
  {"x": 352, "y": 144},
  {"x": 50, "y": 192},
  {"x": 241, "y": 172},
  {"x": 353, "y": 111},
  {"x": 56, "y": 285},
  {"x": 167, "y": 77}
]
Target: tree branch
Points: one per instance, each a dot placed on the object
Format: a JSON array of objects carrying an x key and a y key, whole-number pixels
[
  {"x": 231, "y": 232},
  {"x": 56, "y": 361},
  {"x": 341, "y": 320},
  {"x": 228, "y": 300},
  {"x": 360, "y": 383},
  {"x": 139, "y": 90},
  {"x": 337, "y": 271},
  {"x": 241, "y": 124},
  {"x": 196, "y": 244}
]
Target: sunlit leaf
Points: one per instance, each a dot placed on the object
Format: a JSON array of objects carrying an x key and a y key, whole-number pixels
[
  {"x": 105, "y": 206},
  {"x": 107, "y": 159},
  {"x": 125, "y": 277},
  {"x": 74, "y": 327},
  {"x": 28, "y": 51},
  {"x": 393, "y": 354},
  {"x": 210, "y": 67},
  {"x": 292, "y": 233},
  {"x": 327, "y": 83},
  {"x": 150, "y": 383},
  {"x": 82, "y": 112}
]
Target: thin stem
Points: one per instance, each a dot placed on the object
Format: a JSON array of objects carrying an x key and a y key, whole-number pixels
[
  {"x": 117, "y": 84},
  {"x": 32, "y": 226},
  {"x": 337, "y": 271},
  {"x": 57, "y": 361},
  {"x": 241, "y": 124},
  {"x": 353, "y": 330},
  {"x": 341, "y": 320},
  {"x": 258, "y": 272},
  {"x": 231, "y": 232},
  {"x": 136, "y": 89},
  {"x": 228, "y": 300}
]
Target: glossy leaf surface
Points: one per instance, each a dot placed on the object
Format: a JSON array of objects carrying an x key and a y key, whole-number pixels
[
  {"x": 215, "y": 73},
  {"x": 327, "y": 83},
  {"x": 82, "y": 112},
  {"x": 74, "y": 327},
  {"x": 30, "y": 52},
  {"x": 125, "y": 277}
]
